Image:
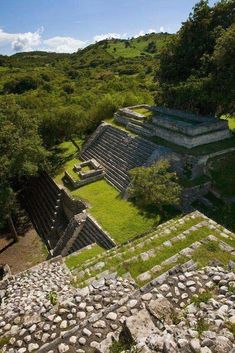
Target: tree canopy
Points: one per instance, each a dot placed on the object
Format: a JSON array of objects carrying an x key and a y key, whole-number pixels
[
  {"x": 21, "y": 151},
  {"x": 155, "y": 185},
  {"x": 197, "y": 68}
]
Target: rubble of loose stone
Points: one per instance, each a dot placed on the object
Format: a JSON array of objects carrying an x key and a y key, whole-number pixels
[
  {"x": 162, "y": 316},
  {"x": 204, "y": 327}
]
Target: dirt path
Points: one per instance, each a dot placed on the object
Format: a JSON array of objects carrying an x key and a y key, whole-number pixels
[{"x": 27, "y": 252}]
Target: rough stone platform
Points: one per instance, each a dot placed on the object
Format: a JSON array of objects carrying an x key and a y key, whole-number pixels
[{"x": 186, "y": 309}]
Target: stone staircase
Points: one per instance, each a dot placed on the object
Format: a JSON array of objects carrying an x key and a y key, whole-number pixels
[
  {"x": 91, "y": 233},
  {"x": 118, "y": 152},
  {"x": 61, "y": 221},
  {"x": 145, "y": 257},
  {"x": 42, "y": 199}
]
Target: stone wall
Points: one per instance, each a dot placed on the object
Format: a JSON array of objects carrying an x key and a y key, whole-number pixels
[
  {"x": 190, "y": 132},
  {"x": 188, "y": 128},
  {"x": 193, "y": 193},
  {"x": 96, "y": 175},
  {"x": 70, "y": 205},
  {"x": 189, "y": 141},
  {"x": 199, "y": 164}
]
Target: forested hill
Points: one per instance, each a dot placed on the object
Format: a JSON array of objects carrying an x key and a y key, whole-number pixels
[
  {"x": 146, "y": 45},
  {"x": 88, "y": 85}
]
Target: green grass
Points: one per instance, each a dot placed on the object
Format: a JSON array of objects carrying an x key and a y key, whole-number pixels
[
  {"x": 201, "y": 298},
  {"x": 210, "y": 252},
  {"x": 73, "y": 261},
  {"x": 121, "y": 218},
  {"x": 231, "y": 121},
  {"x": 4, "y": 340},
  {"x": 137, "y": 46},
  {"x": 120, "y": 264},
  {"x": 139, "y": 267},
  {"x": 86, "y": 169},
  {"x": 126, "y": 253},
  {"x": 144, "y": 111},
  {"x": 68, "y": 166}
]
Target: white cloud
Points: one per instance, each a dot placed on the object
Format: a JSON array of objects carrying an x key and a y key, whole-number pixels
[
  {"x": 100, "y": 37},
  {"x": 142, "y": 32},
  {"x": 21, "y": 41},
  {"x": 63, "y": 44},
  {"x": 29, "y": 41}
]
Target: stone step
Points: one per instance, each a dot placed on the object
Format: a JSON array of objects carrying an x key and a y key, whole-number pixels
[
  {"x": 140, "y": 130},
  {"x": 89, "y": 234},
  {"x": 167, "y": 227},
  {"x": 135, "y": 144},
  {"x": 110, "y": 173},
  {"x": 111, "y": 169},
  {"x": 40, "y": 223},
  {"x": 152, "y": 252}
]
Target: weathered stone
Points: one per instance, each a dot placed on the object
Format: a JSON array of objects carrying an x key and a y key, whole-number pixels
[
  {"x": 99, "y": 324},
  {"x": 82, "y": 341},
  {"x": 32, "y": 347},
  {"x": 111, "y": 316},
  {"x": 62, "y": 348},
  {"x": 140, "y": 325},
  {"x": 162, "y": 309}
]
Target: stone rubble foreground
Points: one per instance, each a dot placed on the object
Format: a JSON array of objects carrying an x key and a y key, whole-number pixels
[{"x": 157, "y": 318}]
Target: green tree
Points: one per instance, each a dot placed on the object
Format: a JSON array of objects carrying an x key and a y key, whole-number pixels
[
  {"x": 192, "y": 71},
  {"x": 65, "y": 123},
  {"x": 21, "y": 85},
  {"x": 21, "y": 153},
  {"x": 155, "y": 185}
]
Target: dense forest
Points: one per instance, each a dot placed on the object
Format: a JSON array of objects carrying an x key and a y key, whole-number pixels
[{"x": 46, "y": 98}]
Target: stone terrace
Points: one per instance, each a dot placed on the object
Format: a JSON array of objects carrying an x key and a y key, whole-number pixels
[
  {"x": 178, "y": 127},
  {"x": 158, "y": 317},
  {"x": 119, "y": 152}
]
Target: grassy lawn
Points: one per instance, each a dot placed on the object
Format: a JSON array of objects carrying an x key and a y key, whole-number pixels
[
  {"x": 121, "y": 218},
  {"x": 137, "y": 46},
  {"x": 84, "y": 254},
  {"x": 223, "y": 173},
  {"x": 64, "y": 156}
]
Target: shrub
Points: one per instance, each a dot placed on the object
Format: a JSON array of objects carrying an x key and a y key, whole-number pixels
[
  {"x": 53, "y": 297},
  {"x": 20, "y": 85},
  {"x": 201, "y": 298}
]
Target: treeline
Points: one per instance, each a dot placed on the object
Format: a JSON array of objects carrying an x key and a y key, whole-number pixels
[{"x": 197, "y": 68}]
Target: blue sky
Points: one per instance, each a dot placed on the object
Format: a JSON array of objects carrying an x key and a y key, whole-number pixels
[{"x": 66, "y": 25}]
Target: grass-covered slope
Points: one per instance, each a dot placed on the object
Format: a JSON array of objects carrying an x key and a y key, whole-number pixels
[
  {"x": 119, "y": 217},
  {"x": 191, "y": 237}
]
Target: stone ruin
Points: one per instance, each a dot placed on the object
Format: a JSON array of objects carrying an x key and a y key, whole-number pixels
[
  {"x": 111, "y": 312},
  {"x": 110, "y": 153},
  {"x": 87, "y": 172},
  {"x": 178, "y": 127},
  {"x": 62, "y": 222},
  {"x": 118, "y": 152}
]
